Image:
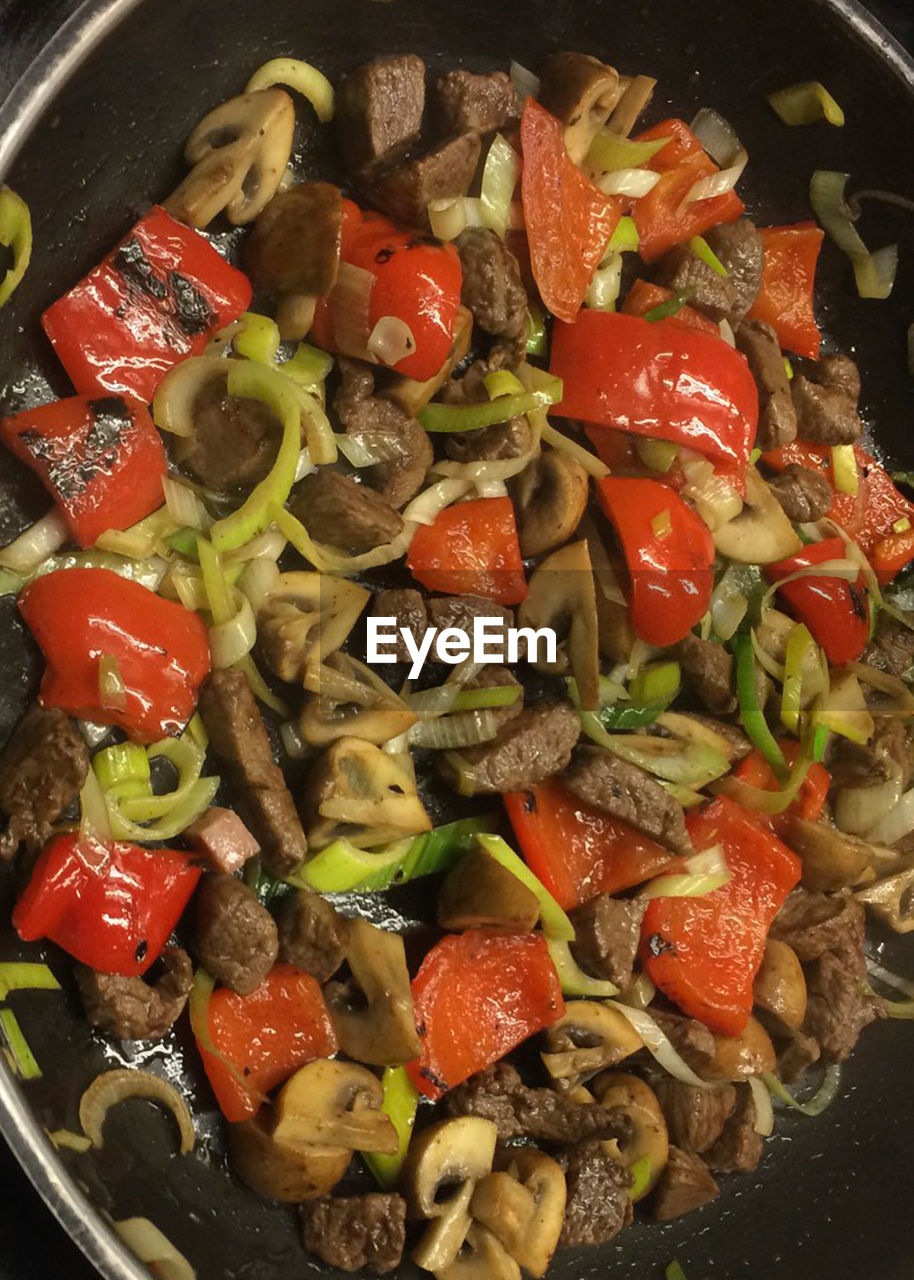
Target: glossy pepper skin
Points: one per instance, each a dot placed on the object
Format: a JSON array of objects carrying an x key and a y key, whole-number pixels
[
  {"x": 669, "y": 553},
  {"x": 265, "y": 1036},
  {"x": 158, "y": 297},
  {"x": 111, "y": 906},
  {"x": 704, "y": 953},
  {"x": 836, "y": 612},
  {"x": 79, "y": 616},
  {"x": 786, "y": 297},
  {"x": 577, "y": 851},
  {"x": 477, "y": 995},
  {"x": 414, "y": 277},
  {"x": 755, "y": 771},
  {"x": 100, "y": 458},
  {"x": 662, "y": 380},
  {"x": 471, "y": 549},
  {"x": 644, "y": 297}
]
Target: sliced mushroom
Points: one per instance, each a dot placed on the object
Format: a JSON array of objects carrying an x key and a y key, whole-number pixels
[
  {"x": 892, "y": 898},
  {"x": 358, "y": 791},
  {"x": 780, "y": 987},
  {"x": 590, "y": 1037},
  {"x": 583, "y": 92},
  {"x": 562, "y": 596},
  {"x": 550, "y": 498},
  {"x": 291, "y": 1172},
  {"x": 637, "y": 92},
  {"x": 751, "y": 1053},
  {"x": 337, "y": 1104},
  {"x": 761, "y": 533},
  {"x": 479, "y": 893},
  {"x": 306, "y": 617},
  {"x": 294, "y": 246},
  {"x": 649, "y": 1140},
  {"x": 239, "y": 153},
  {"x": 413, "y": 396},
  {"x": 451, "y": 1154},
  {"x": 482, "y": 1256},
  {"x": 616, "y": 633},
  {"x": 368, "y": 708},
  {"x": 523, "y": 1205},
  {"x": 373, "y": 1013},
  {"x": 831, "y": 860}
]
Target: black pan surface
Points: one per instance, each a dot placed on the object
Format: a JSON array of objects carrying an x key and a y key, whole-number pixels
[{"x": 832, "y": 1197}]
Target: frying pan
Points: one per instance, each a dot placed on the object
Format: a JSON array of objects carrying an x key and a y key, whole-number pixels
[{"x": 89, "y": 138}]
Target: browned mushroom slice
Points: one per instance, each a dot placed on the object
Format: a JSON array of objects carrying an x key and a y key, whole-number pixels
[
  {"x": 306, "y": 617},
  {"x": 294, "y": 247},
  {"x": 358, "y": 791},
  {"x": 287, "y": 1171},
  {"x": 563, "y": 596},
  {"x": 637, "y": 92},
  {"x": 589, "y": 1038},
  {"x": 372, "y": 1012},
  {"x": 360, "y": 705},
  {"x": 337, "y": 1104},
  {"x": 480, "y": 893},
  {"x": 550, "y": 497},
  {"x": 582, "y": 91}
]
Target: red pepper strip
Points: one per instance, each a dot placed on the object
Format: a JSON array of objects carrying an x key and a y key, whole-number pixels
[
  {"x": 704, "y": 953},
  {"x": 281, "y": 1026},
  {"x": 102, "y": 460},
  {"x": 836, "y": 612},
  {"x": 660, "y": 216},
  {"x": 670, "y": 572},
  {"x": 847, "y": 510},
  {"x": 415, "y": 279},
  {"x": 659, "y": 380},
  {"x": 471, "y": 549},
  {"x": 155, "y": 299},
  {"x": 569, "y": 220},
  {"x": 79, "y": 616},
  {"x": 111, "y": 906},
  {"x": 785, "y": 300},
  {"x": 579, "y": 852},
  {"x": 477, "y": 995},
  {"x": 755, "y": 771},
  {"x": 892, "y": 554},
  {"x": 643, "y": 297}
]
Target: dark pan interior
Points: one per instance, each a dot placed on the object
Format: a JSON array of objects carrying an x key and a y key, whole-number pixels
[{"x": 832, "y": 1197}]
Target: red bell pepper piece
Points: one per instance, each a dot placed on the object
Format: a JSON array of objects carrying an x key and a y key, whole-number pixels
[
  {"x": 660, "y": 380},
  {"x": 111, "y": 906},
  {"x": 755, "y": 771},
  {"x": 266, "y": 1036},
  {"x": 414, "y": 278},
  {"x": 644, "y": 297},
  {"x": 669, "y": 552},
  {"x": 785, "y": 300},
  {"x": 478, "y": 995},
  {"x": 704, "y": 953},
  {"x": 569, "y": 220},
  {"x": 836, "y": 612},
  {"x": 155, "y": 299},
  {"x": 579, "y": 852},
  {"x": 79, "y": 616},
  {"x": 661, "y": 217},
  {"x": 102, "y": 460},
  {"x": 893, "y": 554},
  {"x": 471, "y": 549},
  {"x": 847, "y": 510}
]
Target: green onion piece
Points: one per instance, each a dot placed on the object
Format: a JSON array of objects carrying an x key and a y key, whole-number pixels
[
  {"x": 625, "y": 238},
  {"x": 751, "y": 714},
  {"x": 675, "y": 1272},
  {"x": 703, "y": 250},
  {"x": 471, "y": 417},
  {"x": 693, "y": 764},
  {"x": 258, "y": 338},
  {"x": 664, "y": 310},
  {"x": 198, "y": 1010},
  {"x": 805, "y": 104},
  {"x": 218, "y": 592},
  {"x": 472, "y": 699},
  {"x": 184, "y": 541},
  {"x": 788, "y": 369},
  {"x": 844, "y": 466},
  {"x": 555, "y": 921},
  {"x": 626, "y": 716},
  {"x": 798, "y": 646},
  {"x": 401, "y": 1102},
  {"x": 608, "y": 152},
  {"x": 15, "y": 234},
  {"x": 308, "y": 365},
  {"x": 342, "y": 868},
  {"x": 685, "y": 886},
  {"x": 26, "y": 976},
  {"x": 439, "y": 849},
  {"x": 874, "y": 272},
  {"x": 502, "y": 382},
  {"x": 658, "y": 683},
  {"x": 823, "y": 1098},
  {"x": 22, "y": 1056},
  {"x": 302, "y": 76},
  {"x": 659, "y": 455},
  {"x": 123, "y": 769},
  {"x": 903, "y": 1009},
  {"x": 572, "y": 978},
  {"x": 640, "y": 1173},
  {"x": 536, "y": 330}
]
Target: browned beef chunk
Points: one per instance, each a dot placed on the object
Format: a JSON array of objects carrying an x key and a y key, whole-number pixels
[
  {"x": 294, "y": 246},
  {"x": 511, "y": 439},
  {"x": 131, "y": 1009},
  {"x": 492, "y": 287},
  {"x": 798, "y": 1055},
  {"x": 397, "y": 440},
  {"x": 235, "y": 938},
  {"x": 866, "y": 764},
  {"x": 709, "y": 667},
  {"x": 598, "y": 1204},
  {"x": 498, "y": 1094},
  {"x": 805, "y": 495},
  {"x": 692, "y": 1040},
  {"x": 628, "y": 792},
  {"x": 464, "y": 100},
  {"x": 379, "y": 108},
  {"x": 530, "y": 748},
  {"x": 739, "y": 247},
  {"x": 685, "y": 1184},
  {"x": 892, "y": 647},
  {"x": 739, "y": 1148},
  {"x": 813, "y": 923},
  {"x": 352, "y": 1232},
  {"x": 738, "y": 744},
  {"x": 235, "y": 440},
  {"x": 312, "y": 935},
  {"x": 42, "y": 768},
  {"x": 777, "y": 423},
  {"x": 239, "y": 739},
  {"x": 404, "y": 189},
  {"x": 461, "y": 612},
  {"x": 826, "y": 402},
  {"x": 337, "y": 511},
  {"x": 407, "y": 607},
  {"x": 707, "y": 291},
  {"x": 608, "y": 930},
  {"x": 695, "y": 1117}
]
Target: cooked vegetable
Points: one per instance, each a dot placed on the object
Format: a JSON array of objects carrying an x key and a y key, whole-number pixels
[
  {"x": 562, "y": 596},
  {"x": 152, "y": 1247},
  {"x": 400, "y": 1102},
  {"x": 338, "y": 1104},
  {"x": 471, "y": 549},
  {"x": 874, "y": 272},
  {"x": 15, "y": 234},
  {"x": 372, "y": 1013},
  {"x": 479, "y": 892},
  {"x": 785, "y": 300},
  {"x": 550, "y": 497},
  {"x": 112, "y": 1087},
  {"x": 523, "y": 1205},
  {"x": 739, "y": 1057},
  {"x": 298, "y": 75},
  {"x": 649, "y": 1140},
  {"x": 806, "y": 103},
  {"x": 589, "y": 1038},
  {"x": 358, "y": 791},
  {"x": 291, "y": 1172},
  {"x": 19, "y": 1054},
  {"x": 760, "y": 532},
  {"x": 453, "y": 1155},
  {"x": 779, "y": 989}
]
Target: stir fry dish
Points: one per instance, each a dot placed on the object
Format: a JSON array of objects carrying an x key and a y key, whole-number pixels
[{"x": 533, "y": 365}]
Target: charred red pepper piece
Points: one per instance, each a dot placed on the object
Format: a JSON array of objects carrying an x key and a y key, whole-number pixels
[
  {"x": 79, "y": 616},
  {"x": 471, "y": 549},
  {"x": 102, "y": 460},
  {"x": 477, "y": 995},
  {"x": 704, "y": 953},
  {"x": 669, "y": 553},
  {"x": 836, "y": 612},
  {"x": 111, "y": 906},
  {"x": 154, "y": 300},
  {"x": 785, "y": 300},
  {"x": 755, "y": 771}
]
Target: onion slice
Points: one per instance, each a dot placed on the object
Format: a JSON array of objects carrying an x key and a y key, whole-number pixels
[
  {"x": 823, "y": 1098},
  {"x": 36, "y": 543},
  {"x": 660, "y": 1046},
  {"x": 144, "y": 1239},
  {"x": 112, "y": 1087},
  {"x": 764, "y": 1111}
]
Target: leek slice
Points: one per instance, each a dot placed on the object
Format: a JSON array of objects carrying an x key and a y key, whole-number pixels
[
  {"x": 15, "y": 234},
  {"x": 400, "y": 1102},
  {"x": 123, "y": 770},
  {"x": 751, "y": 714},
  {"x": 438, "y": 417},
  {"x": 556, "y": 923},
  {"x": 844, "y": 466},
  {"x": 798, "y": 646},
  {"x": 301, "y": 76},
  {"x": 23, "y": 1060},
  {"x": 703, "y": 250},
  {"x": 609, "y": 152},
  {"x": 874, "y": 272},
  {"x": 572, "y": 978},
  {"x": 674, "y": 1271},
  {"x": 26, "y": 976},
  {"x": 823, "y": 1097},
  {"x": 805, "y": 104},
  {"x": 500, "y": 176}
]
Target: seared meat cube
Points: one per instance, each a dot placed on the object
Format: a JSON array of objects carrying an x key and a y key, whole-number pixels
[
  {"x": 685, "y": 1184},
  {"x": 337, "y": 511},
  {"x": 804, "y": 494},
  {"x": 598, "y": 1204},
  {"x": 777, "y": 421},
  {"x": 352, "y": 1232},
  {"x": 492, "y": 287},
  {"x": 498, "y": 1094},
  {"x": 892, "y": 646},
  {"x": 826, "y": 402},
  {"x": 709, "y": 667},
  {"x": 42, "y": 768},
  {"x": 707, "y": 291},
  {"x": 530, "y": 748},
  {"x": 691, "y": 1039},
  {"x": 464, "y": 100},
  {"x": 404, "y": 190},
  {"x": 695, "y": 1117},
  {"x": 608, "y": 930},
  {"x": 312, "y": 935},
  {"x": 235, "y": 440},
  {"x": 397, "y": 440},
  {"x": 739, "y": 1148},
  {"x": 132, "y": 1009},
  {"x": 407, "y": 607},
  {"x": 628, "y": 792},
  {"x": 739, "y": 248},
  {"x": 235, "y": 938},
  {"x": 379, "y": 108}
]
